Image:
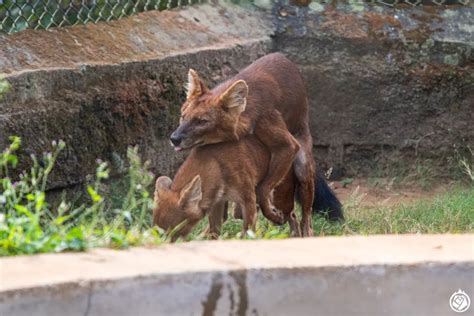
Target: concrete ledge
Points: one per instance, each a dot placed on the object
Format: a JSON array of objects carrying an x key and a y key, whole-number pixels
[
  {"x": 142, "y": 37},
  {"x": 389, "y": 275}
]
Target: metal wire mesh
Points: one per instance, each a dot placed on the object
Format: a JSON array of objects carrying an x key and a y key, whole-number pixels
[
  {"x": 420, "y": 2},
  {"x": 17, "y": 15}
]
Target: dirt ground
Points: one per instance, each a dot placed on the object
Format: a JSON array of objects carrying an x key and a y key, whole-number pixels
[{"x": 381, "y": 192}]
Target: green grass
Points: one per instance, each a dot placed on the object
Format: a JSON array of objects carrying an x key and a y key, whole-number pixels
[
  {"x": 29, "y": 224},
  {"x": 452, "y": 212}
]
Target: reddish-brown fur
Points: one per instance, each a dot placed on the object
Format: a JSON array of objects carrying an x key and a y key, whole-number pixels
[
  {"x": 266, "y": 99},
  {"x": 213, "y": 175}
]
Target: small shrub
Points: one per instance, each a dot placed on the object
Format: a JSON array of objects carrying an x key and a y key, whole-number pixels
[{"x": 28, "y": 224}]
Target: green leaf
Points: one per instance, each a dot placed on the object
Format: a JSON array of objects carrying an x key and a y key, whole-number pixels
[
  {"x": 40, "y": 196},
  {"x": 15, "y": 142},
  {"x": 13, "y": 160},
  {"x": 60, "y": 220},
  {"x": 93, "y": 194},
  {"x": 23, "y": 210}
]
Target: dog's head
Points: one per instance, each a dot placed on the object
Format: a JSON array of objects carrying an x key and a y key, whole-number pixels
[
  {"x": 177, "y": 209},
  {"x": 209, "y": 117}
]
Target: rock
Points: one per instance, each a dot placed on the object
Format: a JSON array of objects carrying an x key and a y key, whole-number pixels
[
  {"x": 385, "y": 85},
  {"x": 122, "y": 86}
]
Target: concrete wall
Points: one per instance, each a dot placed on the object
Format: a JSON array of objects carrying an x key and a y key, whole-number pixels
[
  {"x": 104, "y": 87},
  {"x": 385, "y": 85},
  {"x": 377, "y": 275}
]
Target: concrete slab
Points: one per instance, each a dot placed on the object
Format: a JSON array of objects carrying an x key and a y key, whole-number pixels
[{"x": 389, "y": 275}]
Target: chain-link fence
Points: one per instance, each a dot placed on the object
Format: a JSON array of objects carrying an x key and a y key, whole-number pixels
[
  {"x": 393, "y": 3},
  {"x": 17, "y": 15}
]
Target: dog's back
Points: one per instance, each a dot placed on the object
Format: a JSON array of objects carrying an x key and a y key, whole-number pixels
[
  {"x": 239, "y": 161},
  {"x": 225, "y": 171}
]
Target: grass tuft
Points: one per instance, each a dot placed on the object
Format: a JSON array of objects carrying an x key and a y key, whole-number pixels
[
  {"x": 29, "y": 224},
  {"x": 452, "y": 212}
]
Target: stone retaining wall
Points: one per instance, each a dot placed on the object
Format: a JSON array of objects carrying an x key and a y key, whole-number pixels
[
  {"x": 104, "y": 87},
  {"x": 385, "y": 85}
]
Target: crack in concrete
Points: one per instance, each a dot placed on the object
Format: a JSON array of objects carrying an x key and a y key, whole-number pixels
[
  {"x": 213, "y": 296},
  {"x": 89, "y": 299},
  {"x": 240, "y": 278},
  {"x": 231, "y": 297}
]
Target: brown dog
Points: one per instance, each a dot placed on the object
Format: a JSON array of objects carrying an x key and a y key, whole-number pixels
[
  {"x": 266, "y": 99},
  {"x": 213, "y": 175}
]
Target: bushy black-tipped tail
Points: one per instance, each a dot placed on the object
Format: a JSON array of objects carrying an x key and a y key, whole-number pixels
[{"x": 325, "y": 201}]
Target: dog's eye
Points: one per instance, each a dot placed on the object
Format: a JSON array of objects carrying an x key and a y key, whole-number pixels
[{"x": 201, "y": 121}]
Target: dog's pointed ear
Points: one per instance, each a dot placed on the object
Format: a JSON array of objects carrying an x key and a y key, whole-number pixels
[
  {"x": 234, "y": 99},
  {"x": 162, "y": 184},
  {"x": 195, "y": 87},
  {"x": 191, "y": 195}
]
